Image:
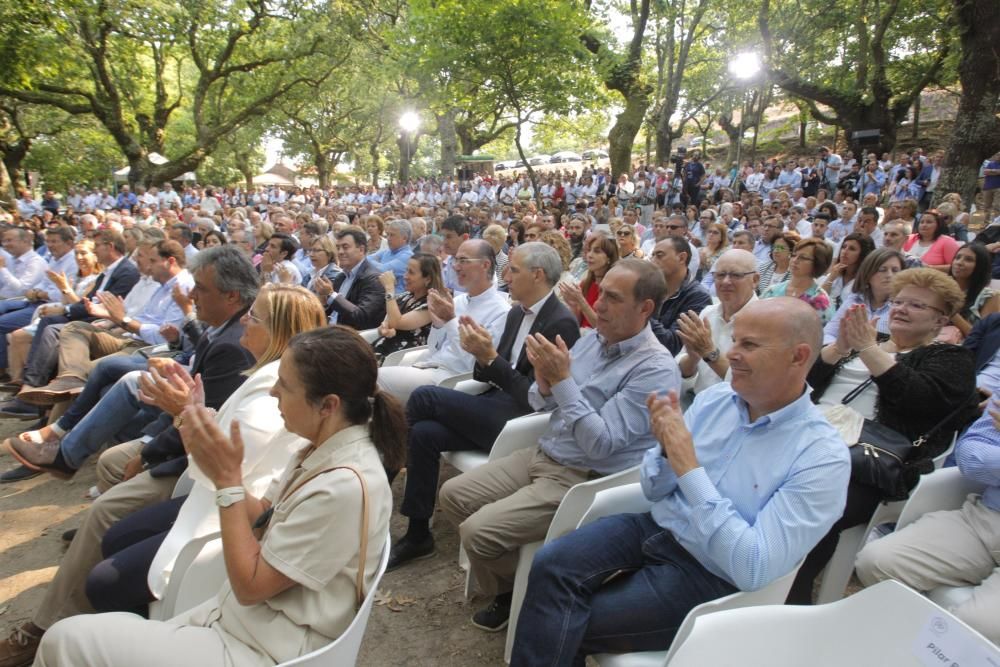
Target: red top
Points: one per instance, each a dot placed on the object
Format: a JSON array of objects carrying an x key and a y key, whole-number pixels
[{"x": 591, "y": 296}]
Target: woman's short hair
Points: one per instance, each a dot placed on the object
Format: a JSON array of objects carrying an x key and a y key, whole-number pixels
[
  {"x": 496, "y": 236},
  {"x": 943, "y": 286},
  {"x": 329, "y": 247},
  {"x": 337, "y": 361},
  {"x": 791, "y": 239},
  {"x": 376, "y": 219},
  {"x": 291, "y": 309},
  {"x": 870, "y": 266},
  {"x": 822, "y": 254},
  {"x": 430, "y": 268}
]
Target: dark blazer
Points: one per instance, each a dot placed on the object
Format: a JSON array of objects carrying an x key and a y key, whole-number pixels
[
  {"x": 554, "y": 319},
  {"x": 363, "y": 307},
  {"x": 120, "y": 283},
  {"x": 221, "y": 362},
  {"x": 984, "y": 340}
]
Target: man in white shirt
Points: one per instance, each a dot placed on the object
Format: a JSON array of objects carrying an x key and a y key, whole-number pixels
[
  {"x": 709, "y": 336},
  {"x": 475, "y": 266},
  {"x": 26, "y": 268}
]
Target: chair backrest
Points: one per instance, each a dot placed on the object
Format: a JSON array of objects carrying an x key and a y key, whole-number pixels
[
  {"x": 580, "y": 498},
  {"x": 405, "y": 357},
  {"x": 886, "y": 624},
  {"x": 198, "y": 517},
  {"x": 343, "y": 652},
  {"x": 624, "y": 499},
  {"x": 944, "y": 489}
]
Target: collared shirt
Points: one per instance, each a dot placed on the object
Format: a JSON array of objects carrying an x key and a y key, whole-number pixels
[
  {"x": 106, "y": 275},
  {"x": 395, "y": 261},
  {"x": 488, "y": 309},
  {"x": 162, "y": 309},
  {"x": 989, "y": 375},
  {"x": 530, "y": 313},
  {"x": 600, "y": 421},
  {"x": 345, "y": 287},
  {"x": 722, "y": 335},
  {"x": 838, "y": 229},
  {"x": 21, "y": 274},
  {"x": 762, "y": 251},
  {"x": 65, "y": 264},
  {"x": 765, "y": 492},
  {"x": 978, "y": 454}
]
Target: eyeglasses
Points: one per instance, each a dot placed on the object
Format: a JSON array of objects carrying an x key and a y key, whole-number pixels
[
  {"x": 915, "y": 305},
  {"x": 675, "y": 226},
  {"x": 721, "y": 276},
  {"x": 802, "y": 258},
  {"x": 466, "y": 260},
  {"x": 251, "y": 317},
  {"x": 772, "y": 226}
]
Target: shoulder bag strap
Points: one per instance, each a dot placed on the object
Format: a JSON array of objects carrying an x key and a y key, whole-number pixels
[{"x": 359, "y": 584}]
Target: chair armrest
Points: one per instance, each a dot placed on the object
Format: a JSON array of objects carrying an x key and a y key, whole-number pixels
[
  {"x": 625, "y": 499},
  {"x": 520, "y": 433},
  {"x": 405, "y": 357},
  {"x": 370, "y": 335},
  {"x": 581, "y": 496},
  {"x": 452, "y": 382}
]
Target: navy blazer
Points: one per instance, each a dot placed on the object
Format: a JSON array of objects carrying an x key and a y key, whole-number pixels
[
  {"x": 553, "y": 319},
  {"x": 120, "y": 283},
  {"x": 363, "y": 307},
  {"x": 221, "y": 362},
  {"x": 984, "y": 340}
]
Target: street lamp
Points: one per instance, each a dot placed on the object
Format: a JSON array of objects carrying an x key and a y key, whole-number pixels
[
  {"x": 743, "y": 67},
  {"x": 409, "y": 121}
]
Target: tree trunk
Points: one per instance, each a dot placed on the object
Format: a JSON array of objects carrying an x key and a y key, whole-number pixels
[
  {"x": 322, "y": 165},
  {"x": 13, "y": 157},
  {"x": 373, "y": 153},
  {"x": 735, "y": 133},
  {"x": 916, "y": 118},
  {"x": 975, "y": 132},
  {"x": 527, "y": 165},
  {"x": 449, "y": 141},
  {"x": 7, "y": 192},
  {"x": 625, "y": 129}
]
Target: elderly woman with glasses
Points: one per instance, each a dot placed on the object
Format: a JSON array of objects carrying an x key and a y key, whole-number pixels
[{"x": 908, "y": 383}]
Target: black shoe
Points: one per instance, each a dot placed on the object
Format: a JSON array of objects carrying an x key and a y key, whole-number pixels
[
  {"x": 406, "y": 550},
  {"x": 494, "y": 618},
  {"x": 18, "y": 474},
  {"x": 68, "y": 536},
  {"x": 18, "y": 409}
]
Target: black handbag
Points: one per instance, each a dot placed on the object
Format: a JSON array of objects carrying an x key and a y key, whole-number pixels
[{"x": 883, "y": 458}]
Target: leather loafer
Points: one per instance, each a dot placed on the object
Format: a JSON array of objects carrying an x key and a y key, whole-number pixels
[
  {"x": 18, "y": 409},
  {"x": 18, "y": 474},
  {"x": 61, "y": 389},
  {"x": 407, "y": 550}
]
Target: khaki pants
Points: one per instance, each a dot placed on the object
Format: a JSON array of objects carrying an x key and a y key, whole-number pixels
[
  {"x": 66, "y": 595},
  {"x": 947, "y": 548},
  {"x": 81, "y": 343},
  {"x": 503, "y": 505}
]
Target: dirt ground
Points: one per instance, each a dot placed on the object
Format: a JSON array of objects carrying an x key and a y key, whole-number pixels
[{"x": 420, "y": 618}]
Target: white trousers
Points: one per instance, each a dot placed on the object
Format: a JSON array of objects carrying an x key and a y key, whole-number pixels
[{"x": 401, "y": 381}]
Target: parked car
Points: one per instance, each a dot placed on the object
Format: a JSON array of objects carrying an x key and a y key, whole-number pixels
[
  {"x": 594, "y": 155},
  {"x": 539, "y": 159},
  {"x": 506, "y": 164},
  {"x": 566, "y": 156}
]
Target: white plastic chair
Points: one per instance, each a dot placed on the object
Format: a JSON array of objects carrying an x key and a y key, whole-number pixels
[
  {"x": 629, "y": 499},
  {"x": 883, "y": 625},
  {"x": 517, "y": 434},
  {"x": 370, "y": 335},
  {"x": 411, "y": 355},
  {"x": 944, "y": 489},
  {"x": 571, "y": 510},
  {"x": 343, "y": 651}
]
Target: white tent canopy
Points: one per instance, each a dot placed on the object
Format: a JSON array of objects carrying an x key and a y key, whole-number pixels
[{"x": 271, "y": 179}]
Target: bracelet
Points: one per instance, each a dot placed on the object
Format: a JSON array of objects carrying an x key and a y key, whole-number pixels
[
  {"x": 865, "y": 349},
  {"x": 179, "y": 421}
]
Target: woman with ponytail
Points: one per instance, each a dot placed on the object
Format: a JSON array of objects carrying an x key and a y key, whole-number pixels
[{"x": 300, "y": 559}]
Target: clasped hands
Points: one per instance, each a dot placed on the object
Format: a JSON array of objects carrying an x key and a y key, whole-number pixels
[{"x": 551, "y": 361}]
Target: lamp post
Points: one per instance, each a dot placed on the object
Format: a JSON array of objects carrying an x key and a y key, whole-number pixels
[
  {"x": 743, "y": 67},
  {"x": 409, "y": 121}
]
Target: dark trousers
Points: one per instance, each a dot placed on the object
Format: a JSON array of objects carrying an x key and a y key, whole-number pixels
[
  {"x": 861, "y": 503},
  {"x": 619, "y": 585},
  {"x": 118, "y": 583},
  {"x": 445, "y": 420},
  {"x": 43, "y": 358}
]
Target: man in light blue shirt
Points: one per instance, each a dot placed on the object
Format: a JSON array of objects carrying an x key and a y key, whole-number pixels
[
  {"x": 25, "y": 269},
  {"x": 954, "y": 547},
  {"x": 599, "y": 425},
  {"x": 742, "y": 487},
  {"x": 398, "y": 254}
]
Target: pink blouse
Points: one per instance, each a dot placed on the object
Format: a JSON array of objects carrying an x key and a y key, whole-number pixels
[{"x": 940, "y": 253}]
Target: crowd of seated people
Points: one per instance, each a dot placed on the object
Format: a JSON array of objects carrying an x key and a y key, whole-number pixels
[{"x": 697, "y": 328}]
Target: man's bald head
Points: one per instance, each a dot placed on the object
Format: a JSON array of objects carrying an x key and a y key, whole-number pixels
[{"x": 736, "y": 259}]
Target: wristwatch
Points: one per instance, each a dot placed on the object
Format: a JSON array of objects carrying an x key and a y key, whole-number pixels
[
  {"x": 390, "y": 296},
  {"x": 712, "y": 356},
  {"x": 229, "y": 496},
  {"x": 127, "y": 321}
]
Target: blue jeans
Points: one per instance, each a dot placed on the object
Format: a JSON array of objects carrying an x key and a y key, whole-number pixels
[
  {"x": 115, "y": 411},
  {"x": 13, "y": 316},
  {"x": 107, "y": 371},
  {"x": 571, "y": 609}
]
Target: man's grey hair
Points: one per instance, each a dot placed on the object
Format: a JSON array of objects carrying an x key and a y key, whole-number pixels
[
  {"x": 484, "y": 250},
  {"x": 403, "y": 227},
  {"x": 538, "y": 255},
  {"x": 431, "y": 244},
  {"x": 234, "y": 272}
]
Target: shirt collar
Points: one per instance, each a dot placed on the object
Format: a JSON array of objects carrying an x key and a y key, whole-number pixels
[
  {"x": 535, "y": 307},
  {"x": 789, "y": 413},
  {"x": 321, "y": 455},
  {"x": 357, "y": 267},
  {"x": 486, "y": 294},
  {"x": 626, "y": 346}
]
